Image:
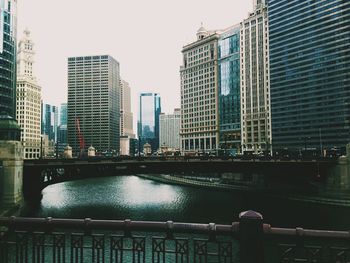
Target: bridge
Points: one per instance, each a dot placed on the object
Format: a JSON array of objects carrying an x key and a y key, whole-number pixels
[{"x": 259, "y": 173}]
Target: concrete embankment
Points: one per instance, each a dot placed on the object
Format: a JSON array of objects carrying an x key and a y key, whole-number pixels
[
  {"x": 163, "y": 178},
  {"x": 244, "y": 189}
]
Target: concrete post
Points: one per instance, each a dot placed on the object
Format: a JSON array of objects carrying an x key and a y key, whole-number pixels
[
  {"x": 251, "y": 237},
  {"x": 11, "y": 153}
]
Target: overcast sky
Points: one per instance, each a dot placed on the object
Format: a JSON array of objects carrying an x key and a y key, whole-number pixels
[{"x": 145, "y": 36}]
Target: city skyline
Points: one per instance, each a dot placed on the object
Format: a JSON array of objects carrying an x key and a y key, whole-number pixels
[{"x": 167, "y": 29}]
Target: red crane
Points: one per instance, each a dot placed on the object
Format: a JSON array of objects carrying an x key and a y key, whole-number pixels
[{"x": 80, "y": 137}]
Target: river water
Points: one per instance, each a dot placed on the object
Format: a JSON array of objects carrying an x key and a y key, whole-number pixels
[{"x": 131, "y": 197}]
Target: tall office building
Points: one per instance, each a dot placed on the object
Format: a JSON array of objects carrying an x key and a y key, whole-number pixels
[
  {"x": 255, "y": 82},
  {"x": 62, "y": 131},
  {"x": 49, "y": 121},
  {"x": 28, "y": 99},
  {"x": 126, "y": 116},
  {"x": 93, "y": 101},
  {"x": 309, "y": 68},
  {"x": 199, "y": 92},
  {"x": 8, "y": 33},
  {"x": 148, "y": 121},
  {"x": 229, "y": 89},
  {"x": 63, "y": 114},
  {"x": 169, "y": 129}
]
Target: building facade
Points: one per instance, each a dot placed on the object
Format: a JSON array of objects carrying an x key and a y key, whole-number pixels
[
  {"x": 229, "y": 90},
  {"x": 28, "y": 99},
  {"x": 126, "y": 116},
  {"x": 255, "y": 81},
  {"x": 63, "y": 114},
  {"x": 93, "y": 102},
  {"x": 49, "y": 121},
  {"x": 62, "y": 132},
  {"x": 199, "y": 94},
  {"x": 310, "y": 80},
  {"x": 148, "y": 121},
  {"x": 8, "y": 33},
  {"x": 169, "y": 129}
]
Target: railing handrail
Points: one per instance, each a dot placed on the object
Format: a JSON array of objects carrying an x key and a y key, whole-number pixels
[
  {"x": 179, "y": 227},
  {"x": 305, "y": 232},
  {"x": 127, "y": 224}
]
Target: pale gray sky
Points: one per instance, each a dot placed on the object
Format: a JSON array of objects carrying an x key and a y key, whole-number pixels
[{"x": 146, "y": 37}]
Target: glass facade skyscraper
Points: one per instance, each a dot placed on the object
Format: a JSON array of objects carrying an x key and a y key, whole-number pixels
[
  {"x": 310, "y": 73},
  {"x": 63, "y": 114},
  {"x": 148, "y": 122},
  {"x": 8, "y": 28},
  {"x": 49, "y": 121},
  {"x": 62, "y": 132},
  {"x": 229, "y": 89}
]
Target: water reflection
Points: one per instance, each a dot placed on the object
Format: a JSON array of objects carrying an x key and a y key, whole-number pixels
[{"x": 135, "y": 198}]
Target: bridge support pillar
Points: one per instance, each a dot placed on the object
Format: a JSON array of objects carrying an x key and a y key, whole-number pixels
[
  {"x": 338, "y": 182},
  {"x": 11, "y": 173}
]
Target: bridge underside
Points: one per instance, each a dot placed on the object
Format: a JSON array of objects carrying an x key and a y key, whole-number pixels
[{"x": 260, "y": 174}]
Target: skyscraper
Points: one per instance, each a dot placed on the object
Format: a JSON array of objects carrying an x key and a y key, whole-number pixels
[
  {"x": 126, "y": 116},
  {"x": 93, "y": 102},
  {"x": 63, "y": 114},
  {"x": 62, "y": 131},
  {"x": 8, "y": 33},
  {"x": 148, "y": 122},
  {"x": 49, "y": 121},
  {"x": 229, "y": 89},
  {"x": 28, "y": 103},
  {"x": 199, "y": 91},
  {"x": 255, "y": 82},
  {"x": 169, "y": 129},
  {"x": 309, "y": 68}
]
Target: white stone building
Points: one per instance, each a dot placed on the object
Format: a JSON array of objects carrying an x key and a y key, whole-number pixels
[
  {"x": 126, "y": 116},
  {"x": 28, "y": 99},
  {"x": 255, "y": 81},
  {"x": 169, "y": 129},
  {"x": 199, "y": 94}
]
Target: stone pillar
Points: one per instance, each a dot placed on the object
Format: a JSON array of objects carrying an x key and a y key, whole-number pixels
[
  {"x": 338, "y": 181},
  {"x": 91, "y": 152},
  {"x": 11, "y": 173},
  {"x": 11, "y": 162},
  {"x": 67, "y": 152},
  {"x": 251, "y": 237}
]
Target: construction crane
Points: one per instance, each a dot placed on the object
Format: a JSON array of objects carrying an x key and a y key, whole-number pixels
[{"x": 80, "y": 137}]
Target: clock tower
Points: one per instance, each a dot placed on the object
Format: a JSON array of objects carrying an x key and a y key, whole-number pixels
[
  {"x": 28, "y": 99},
  {"x": 25, "y": 56}
]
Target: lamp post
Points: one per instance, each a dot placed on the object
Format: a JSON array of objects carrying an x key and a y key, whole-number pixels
[
  {"x": 41, "y": 146},
  {"x": 321, "y": 147},
  {"x": 139, "y": 146},
  {"x": 57, "y": 145},
  {"x": 225, "y": 136},
  {"x": 305, "y": 144}
]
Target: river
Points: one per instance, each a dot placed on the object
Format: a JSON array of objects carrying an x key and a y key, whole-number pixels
[{"x": 131, "y": 197}]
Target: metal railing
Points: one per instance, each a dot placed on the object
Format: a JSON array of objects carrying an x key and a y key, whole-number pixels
[{"x": 39, "y": 240}]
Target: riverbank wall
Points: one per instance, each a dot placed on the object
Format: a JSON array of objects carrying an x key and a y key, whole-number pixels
[{"x": 168, "y": 179}]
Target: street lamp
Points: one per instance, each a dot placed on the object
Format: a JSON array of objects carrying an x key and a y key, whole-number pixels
[
  {"x": 225, "y": 136},
  {"x": 41, "y": 146},
  {"x": 139, "y": 146}
]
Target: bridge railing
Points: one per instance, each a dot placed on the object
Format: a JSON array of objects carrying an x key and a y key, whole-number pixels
[{"x": 39, "y": 240}]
